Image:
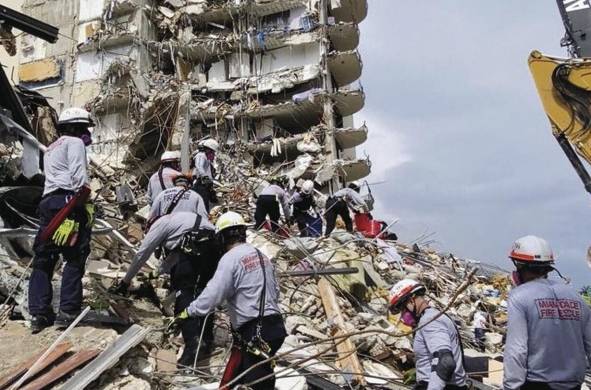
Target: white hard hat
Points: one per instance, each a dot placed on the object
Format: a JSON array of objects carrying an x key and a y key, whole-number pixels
[
  {"x": 210, "y": 143},
  {"x": 402, "y": 291},
  {"x": 75, "y": 115},
  {"x": 308, "y": 187},
  {"x": 170, "y": 155},
  {"x": 228, "y": 220},
  {"x": 532, "y": 250}
]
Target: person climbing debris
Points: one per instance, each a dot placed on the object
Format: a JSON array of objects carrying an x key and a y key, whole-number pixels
[
  {"x": 65, "y": 223},
  {"x": 303, "y": 203},
  {"x": 268, "y": 204},
  {"x": 338, "y": 205},
  {"x": 548, "y": 340},
  {"x": 191, "y": 259},
  {"x": 245, "y": 278},
  {"x": 170, "y": 167},
  {"x": 439, "y": 356},
  {"x": 203, "y": 172}
]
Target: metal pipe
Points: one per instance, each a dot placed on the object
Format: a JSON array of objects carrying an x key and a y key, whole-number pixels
[{"x": 574, "y": 160}]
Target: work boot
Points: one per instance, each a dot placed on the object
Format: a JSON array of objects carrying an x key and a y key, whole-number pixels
[
  {"x": 63, "y": 319},
  {"x": 41, "y": 321}
]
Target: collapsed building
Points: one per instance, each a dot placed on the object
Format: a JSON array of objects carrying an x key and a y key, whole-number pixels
[
  {"x": 276, "y": 81},
  {"x": 279, "y": 78}
]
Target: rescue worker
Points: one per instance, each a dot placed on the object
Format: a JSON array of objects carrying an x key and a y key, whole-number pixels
[
  {"x": 548, "y": 343},
  {"x": 170, "y": 166},
  {"x": 191, "y": 260},
  {"x": 204, "y": 172},
  {"x": 437, "y": 345},
  {"x": 303, "y": 201},
  {"x": 245, "y": 278},
  {"x": 66, "y": 181},
  {"x": 268, "y": 204},
  {"x": 480, "y": 324},
  {"x": 338, "y": 205},
  {"x": 178, "y": 198}
]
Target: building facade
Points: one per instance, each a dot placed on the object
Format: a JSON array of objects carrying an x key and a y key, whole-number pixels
[{"x": 278, "y": 78}]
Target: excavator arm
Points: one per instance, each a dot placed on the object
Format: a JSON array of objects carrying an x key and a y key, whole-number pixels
[{"x": 564, "y": 86}]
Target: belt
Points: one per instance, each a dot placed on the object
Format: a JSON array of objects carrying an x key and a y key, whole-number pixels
[{"x": 59, "y": 191}]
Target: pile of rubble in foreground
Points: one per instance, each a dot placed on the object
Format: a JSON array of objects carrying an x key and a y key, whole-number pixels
[{"x": 340, "y": 334}]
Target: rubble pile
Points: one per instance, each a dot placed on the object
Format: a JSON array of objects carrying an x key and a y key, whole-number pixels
[{"x": 382, "y": 344}]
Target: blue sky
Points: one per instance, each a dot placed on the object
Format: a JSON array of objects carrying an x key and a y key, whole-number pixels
[{"x": 458, "y": 133}]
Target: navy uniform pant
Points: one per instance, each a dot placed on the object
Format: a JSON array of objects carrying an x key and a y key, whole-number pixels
[
  {"x": 334, "y": 208},
  {"x": 47, "y": 256},
  {"x": 267, "y": 205},
  {"x": 188, "y": 277}
]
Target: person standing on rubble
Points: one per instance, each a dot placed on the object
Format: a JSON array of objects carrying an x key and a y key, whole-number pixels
[
  {"x": 303, "y": 201},
  {"x": 245, "y": 278},
  {"x": 339, "y": 203},
  {"x": 268, "y": 204},
  {"x": 170, "y": 166},
  {"x": 480, "y": 324},
  {"x": 192, "y": 254},
  {"x": 204, "y": 172},
  {"x": 178, "y": 198},
  {"x": 548, "y": 343},
  {"x": 65, "y": 192},
  {"x": 439, "y": 356}
]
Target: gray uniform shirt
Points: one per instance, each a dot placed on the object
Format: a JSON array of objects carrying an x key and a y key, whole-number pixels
[
  {"x": 155, "y": 187},
  {"x": 548, "y": 335},
  {"x": 65, "y": 165},
  {"x": 352, "y": 198},
  {"x": 239, "y": 281},
  {"x": 168, "y": 231},
  {"x": 435, "y": 336},
  {"x": 190, "y": 201},
  {"x": 202, "y": 166},
  {"x": 281, "y": 195}
]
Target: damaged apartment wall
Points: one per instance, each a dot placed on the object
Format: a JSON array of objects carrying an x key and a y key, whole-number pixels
[{"x": 255, "y": 71}]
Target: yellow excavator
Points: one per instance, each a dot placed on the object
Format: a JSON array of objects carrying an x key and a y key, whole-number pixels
[{"x": 564, "y": 86}]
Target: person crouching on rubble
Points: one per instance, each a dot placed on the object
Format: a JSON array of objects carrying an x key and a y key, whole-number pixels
[
  {"x": 65, "y": 223},
  {"x": 268, "y": 204},
  {"x": 339, "y": 203},
  {"x": 548, "y": 343},
  {"x": 203, "y": 171},
  {"x": 188, "y": 240},
  {"x": 170, "y": 167},
  {"x": 437, "y": 345},
  {"x": 303, "y": 201},
  {"x": 245, "y": 278}
]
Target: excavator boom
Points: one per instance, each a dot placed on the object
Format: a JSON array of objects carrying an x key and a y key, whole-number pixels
[{"x": 564, "y": 86}]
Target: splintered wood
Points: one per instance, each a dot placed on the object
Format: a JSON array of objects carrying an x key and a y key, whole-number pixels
[{"x": 347, "y": 352}]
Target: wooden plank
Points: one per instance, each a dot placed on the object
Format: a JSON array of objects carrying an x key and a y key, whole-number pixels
[
  {"x": 64, "y": 368},
  {"x": 348, "y": 360},
  {"x": 18, "y": 371}
]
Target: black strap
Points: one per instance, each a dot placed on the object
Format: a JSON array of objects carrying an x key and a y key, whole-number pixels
[
  {"x": 161, "y": 178},
  {"x": 459, "y": 340},
  {"x": 197, "y": 223},
  {"x": 263, "y": 292},
  {"x": 175, "y": 201}
]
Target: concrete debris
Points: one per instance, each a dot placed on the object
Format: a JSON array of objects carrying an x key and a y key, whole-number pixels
[{"x": 273, "y": 81}]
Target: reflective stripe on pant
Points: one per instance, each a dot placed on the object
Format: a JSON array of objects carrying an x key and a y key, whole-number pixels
[
  {"x": 267, "y": 205},
  {"x": 337, "y": 207},
  {"x": 47, "y": 256}
]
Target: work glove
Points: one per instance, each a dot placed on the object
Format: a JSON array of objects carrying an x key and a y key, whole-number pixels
[
  {"x": 90, "y": 212},
  {"x": 183, "y": 315},
  {"x": 65, "y": 230},
  {"x": 119, "y": 288}
]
